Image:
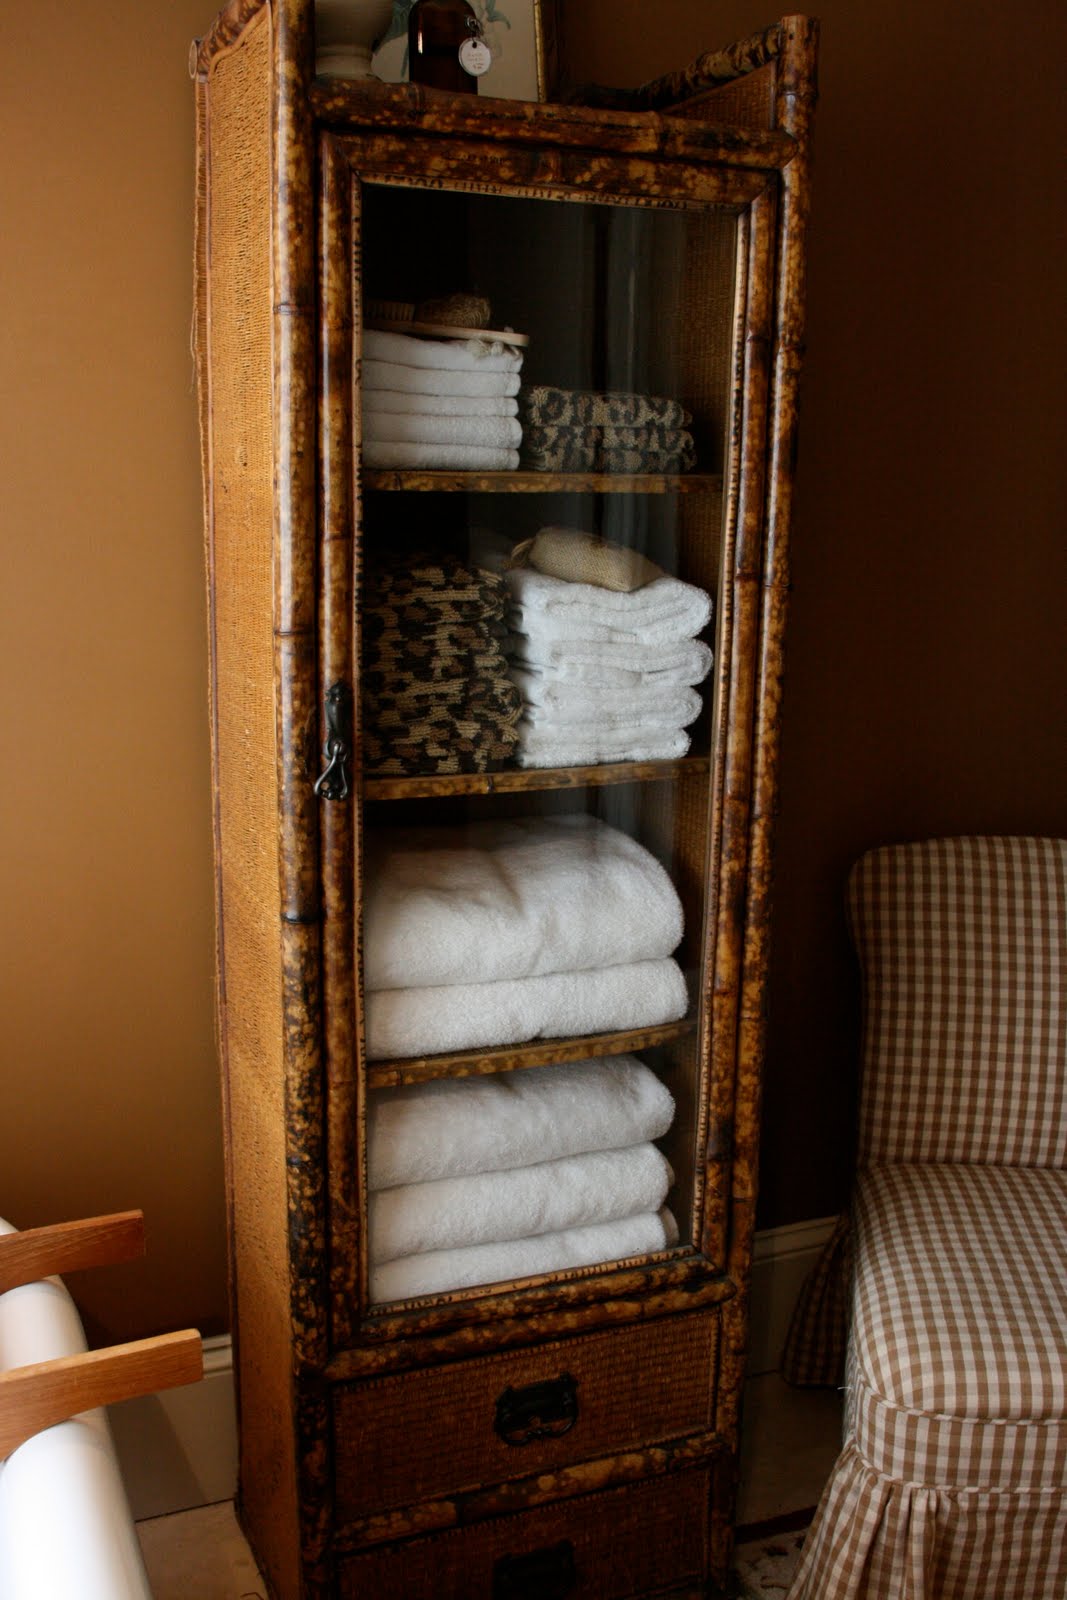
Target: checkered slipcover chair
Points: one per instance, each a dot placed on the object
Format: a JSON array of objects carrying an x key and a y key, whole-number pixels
[{"x": 952, "y": 1477}]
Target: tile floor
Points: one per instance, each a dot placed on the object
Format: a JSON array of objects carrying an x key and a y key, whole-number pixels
[{"x": 790, "y": 1440}]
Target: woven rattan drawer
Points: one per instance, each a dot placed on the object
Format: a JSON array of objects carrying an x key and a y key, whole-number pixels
[
  {"x": 434, "y": 1433},
  {"x": 649, "y": 1539}
]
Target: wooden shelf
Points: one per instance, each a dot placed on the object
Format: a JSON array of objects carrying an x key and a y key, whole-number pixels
[
  {"x": 544, "y": 482},
  {"x": 529, "y": 780},
  {"x": 507, "y": 1058}
]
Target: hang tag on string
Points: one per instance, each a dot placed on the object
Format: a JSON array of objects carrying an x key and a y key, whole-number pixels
[{"x": 475, "y": 55}]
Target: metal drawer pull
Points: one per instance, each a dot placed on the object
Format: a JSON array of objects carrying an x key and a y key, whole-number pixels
[
  {"x": 545, "y": 1410},
  {"x": 548, "y": 1574}
]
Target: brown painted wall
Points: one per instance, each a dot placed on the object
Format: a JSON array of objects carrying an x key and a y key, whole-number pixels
[
  {"x": 926, "y": 659},
  {"x": 110, "y": 1083}
]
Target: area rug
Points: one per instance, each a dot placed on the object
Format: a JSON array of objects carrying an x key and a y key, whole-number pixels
[{"x": 763, "y": 1567}]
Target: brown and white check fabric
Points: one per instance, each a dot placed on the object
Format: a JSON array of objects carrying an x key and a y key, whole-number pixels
[
  {"x": 963, "y": 946},
  {"x": 951, "y": 1485}
]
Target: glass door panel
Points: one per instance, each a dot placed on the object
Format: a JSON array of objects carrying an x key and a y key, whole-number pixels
[{"x": 539, "y": 750}]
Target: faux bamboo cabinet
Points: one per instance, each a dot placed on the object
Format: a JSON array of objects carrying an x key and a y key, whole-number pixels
[{"x": 651, "y": 244}]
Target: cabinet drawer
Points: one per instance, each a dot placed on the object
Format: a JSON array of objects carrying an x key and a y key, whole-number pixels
[
  {"x": 649, "y": 1539},
  {"x": 429, "y": 1434}
]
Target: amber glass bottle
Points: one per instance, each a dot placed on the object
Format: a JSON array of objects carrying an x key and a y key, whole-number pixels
[{"x": 436, "y": 29}]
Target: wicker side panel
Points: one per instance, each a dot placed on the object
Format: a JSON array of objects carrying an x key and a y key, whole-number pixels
[
  {"x": 747, "y": 102},
  {"x": 237, "y": 369},
  {"x": 432, "y": 1433},
  {"x": 651, "y": 1539}
]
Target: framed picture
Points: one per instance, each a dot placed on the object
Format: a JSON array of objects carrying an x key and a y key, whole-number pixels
[{"x": 520, "y": 34}]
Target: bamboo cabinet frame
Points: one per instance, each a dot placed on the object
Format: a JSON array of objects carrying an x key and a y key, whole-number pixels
[{"x": 730, "y": 137}]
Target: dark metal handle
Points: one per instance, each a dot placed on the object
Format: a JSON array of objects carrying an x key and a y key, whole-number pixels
[
  {"x": 333, "y": 785},
  {"x": 548, "y": 1574},
  {"x": 540, "y": 1411}
]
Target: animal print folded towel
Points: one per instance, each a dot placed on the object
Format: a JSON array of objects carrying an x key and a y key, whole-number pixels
[
  {"x": 567, "y": 447},
  {"x": 540, "y": 404}
]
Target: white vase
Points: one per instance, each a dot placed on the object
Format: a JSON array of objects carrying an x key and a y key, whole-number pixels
[{"x": 346, "y": 32}]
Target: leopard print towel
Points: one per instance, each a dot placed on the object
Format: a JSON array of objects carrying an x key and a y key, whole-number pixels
[
  {"x": 564, "y": 447},
  {"x": 540, "y": 404},
  {"x": 437, "y": 697}
]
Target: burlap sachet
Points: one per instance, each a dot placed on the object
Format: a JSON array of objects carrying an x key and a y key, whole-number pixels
[{"x": 579, "y": 557}]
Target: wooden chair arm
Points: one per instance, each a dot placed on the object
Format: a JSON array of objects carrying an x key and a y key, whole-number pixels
[
  {"x": 69, "y": 1246},
  {"x": 36, "y": 1397}
]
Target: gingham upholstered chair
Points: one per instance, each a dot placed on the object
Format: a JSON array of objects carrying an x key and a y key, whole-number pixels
[{"x": 952, "y": 1482}]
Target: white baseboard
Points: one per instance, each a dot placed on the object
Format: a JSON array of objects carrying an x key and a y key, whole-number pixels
[
  {"x": 781, "y": 1260},
  {"x": 179, "y": 1449}
]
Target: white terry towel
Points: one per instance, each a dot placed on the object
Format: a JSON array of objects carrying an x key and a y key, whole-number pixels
[
  {"x": 664, "y": 610},
  {"x": 498, "y": 432},
  {"x": 590, "y": 747},
  {"x": 438, "y": 1271},
  {"x": 459, "y": 457},
  {"x": 488, "y": 1207},
  {"x": 395, "y": 402},
  {"x": 392, "y": 375},
  {"x": 566, "y": 705},
  {"x": 613, "y": 666},
  {"x": 512, "y": 899},
  {"x": 453, "y": 1127},
  {"x": 555, "y": 1005},
  {"x": 442, "y": 355}
]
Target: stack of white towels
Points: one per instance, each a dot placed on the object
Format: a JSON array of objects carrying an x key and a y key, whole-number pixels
[
  {"x": 605, "y": 676},
  {"x": 440, "y": 403},
  {"x": 475, "y": 1180},
  {"x": 500, "y": 932}
]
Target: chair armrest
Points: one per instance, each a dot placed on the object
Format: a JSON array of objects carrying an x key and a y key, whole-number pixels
[
  {"x": 36, "y": 1397},
  {"x": 69, "y": 1246}
]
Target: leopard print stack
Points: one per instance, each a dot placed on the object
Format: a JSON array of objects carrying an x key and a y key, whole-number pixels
[
  {"x": 582, "y": 430},
  {"x": 592, "y": 408},
  {"x": 437, "y": 697}
]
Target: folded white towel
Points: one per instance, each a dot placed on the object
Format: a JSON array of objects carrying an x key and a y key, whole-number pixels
[
  {"x": 459, "y": 457},
  {"x": 489, "y": 1207},
  {"x": 555, "y": 1005},
  {"x": 454, "y": 1127},
  {"x": 629, "y": 666},
  {"x": 577, "y": 705},
  {"x": 391, "y": 426},
  {"x": 511, "y": 898},
  {"x": 393, "y": 376},
  {"x": 441, "y": 355},
  {"x": 396, "y": 402},
  {"x": 582, "y": 747},
  {"x": 665, "y": 610},
  {"x": 438, "y": 1271}
]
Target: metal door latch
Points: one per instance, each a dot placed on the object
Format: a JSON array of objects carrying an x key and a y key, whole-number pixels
[{"x": 337, "y": 750}]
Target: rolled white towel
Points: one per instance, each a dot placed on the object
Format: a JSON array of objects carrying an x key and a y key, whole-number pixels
[
  {"x": 395, "y": 402},
  {"x": 454, "y": 1127},
  {"x": 665, "y": 610},
  {"x": 589, "y": 747},
  {"x": 512, "y": 898},
  {"x": 556, "y": 1005},
  {"x": 392, "y": 427},
  {"x": 438, "y": 1271},
  {"x": 441, "y": 355},
  {"x": 458, "y": 457},
  {"x": 685, "y": 665},
  {"x": 395, "y": 377},
  {"x": 488, "y": 1207},
  {"x": 573, "y": 705}
]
